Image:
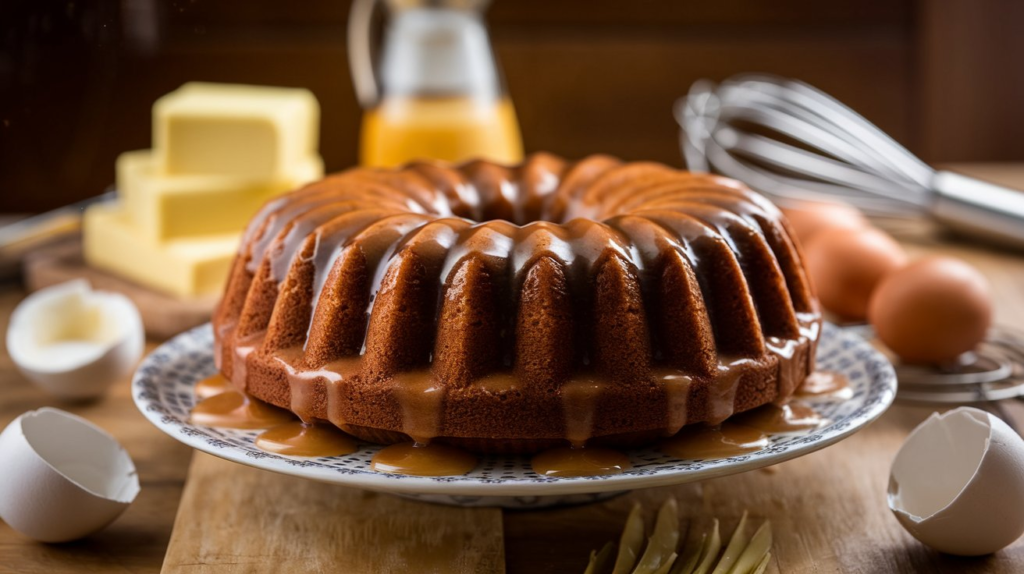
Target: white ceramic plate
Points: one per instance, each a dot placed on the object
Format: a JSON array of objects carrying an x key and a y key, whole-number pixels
[{"x": 162, "y": 389}]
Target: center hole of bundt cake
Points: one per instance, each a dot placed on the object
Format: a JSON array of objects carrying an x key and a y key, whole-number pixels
[
  {"x": 507, "y": 213},
  {"x": 520, "y": 196}
]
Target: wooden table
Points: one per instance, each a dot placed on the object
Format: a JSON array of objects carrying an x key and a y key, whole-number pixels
[{"x": 828, "y": 509}]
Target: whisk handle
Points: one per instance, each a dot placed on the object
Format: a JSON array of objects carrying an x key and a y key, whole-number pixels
[{"x": 980, "y": 209}]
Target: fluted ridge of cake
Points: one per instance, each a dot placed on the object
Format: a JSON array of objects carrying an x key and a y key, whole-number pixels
[{"x": 593, "y": 266}]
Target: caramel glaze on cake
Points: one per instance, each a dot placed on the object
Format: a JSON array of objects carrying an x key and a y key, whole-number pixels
[{"x": 512, "y": 309}]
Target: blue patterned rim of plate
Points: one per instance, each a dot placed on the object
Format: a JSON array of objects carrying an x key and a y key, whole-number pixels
[{"x": 162, "y": 389}]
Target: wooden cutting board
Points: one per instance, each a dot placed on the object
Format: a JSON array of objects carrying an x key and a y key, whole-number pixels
[
  {"x": 235, "y": 519},
  {"x": 162, "y": 315}
]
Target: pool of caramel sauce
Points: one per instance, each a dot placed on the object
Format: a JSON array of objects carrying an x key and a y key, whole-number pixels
[
  {"x": 786, "y": 418},
  {"x": 580, "y": 461},
  {"x": 211, "y": 386},
  {"x": 297, "y": 438},
  {"x": 222, "y": 406},
  {"x": 419, "y": 459},
  {"x": 703, "y": 441},
  {"x": 742, "y": 434},
  {"x": 825, "y": 384},
  {"x": 232, "y": 409}
]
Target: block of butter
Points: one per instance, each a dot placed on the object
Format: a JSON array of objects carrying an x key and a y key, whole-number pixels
[
  {"x": 172, "y": 207},
  {"x": 219, "y": 153},
  {"x": 227, "y": 129},
  {"x": 185, "y": 267}
]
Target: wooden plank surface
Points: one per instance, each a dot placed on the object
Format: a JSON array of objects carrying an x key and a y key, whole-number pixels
[
  {"x": 828, "y": 512},
  {"x": 235, "y": 519},
  {"x": 828, "y": 508}
]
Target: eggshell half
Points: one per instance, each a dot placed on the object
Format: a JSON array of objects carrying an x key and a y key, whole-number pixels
[
  {"x": 63, "y": 477},
  {"x": 957, "y": 483},
  {"x": 73, "y": 341}
]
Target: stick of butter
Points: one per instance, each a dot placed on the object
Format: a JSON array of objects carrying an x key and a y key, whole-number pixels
[
  {"x": 190, "y": 267},
  {"x": 171, "y": 207},
  {"x": 228, "y": 129}
]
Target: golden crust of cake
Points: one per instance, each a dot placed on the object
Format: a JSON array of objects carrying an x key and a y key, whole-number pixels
[{"x": 517, "y": 308}]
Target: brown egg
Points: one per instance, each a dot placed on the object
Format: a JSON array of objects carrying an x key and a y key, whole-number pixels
[
  {"x": 932, "y": 310},
  {"x": 845, "y": 265},
  {"x": 811, "y": 217}
]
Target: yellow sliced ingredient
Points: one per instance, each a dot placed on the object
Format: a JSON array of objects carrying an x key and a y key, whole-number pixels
[
  {"x": 667, "y": 566},
  {"x": 759, "y": 545},
  {"x": 691, "y": 554},
  {"x": 763, "y": 564},
  {"x": 663, "y": 541},
  {"x": 710, "y": 551},
  {"x": 667, "y": 551},
  {"x": 600, "y": 562},
  {"x": 630, "y": 543},
  {"x": 736, "y": 545}
]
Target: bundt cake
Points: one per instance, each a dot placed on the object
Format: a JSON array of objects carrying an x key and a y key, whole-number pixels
[{"x": 511, "y": 309}]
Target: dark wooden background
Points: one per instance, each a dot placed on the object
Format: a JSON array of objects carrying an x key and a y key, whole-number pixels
[{"x": 77, "y": 77}]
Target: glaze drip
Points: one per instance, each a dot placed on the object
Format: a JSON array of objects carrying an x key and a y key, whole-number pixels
[
  {"x": 707, "y": 442},
  {"x": 423, "y": 460},
  {"x": 773, "y": 419},
  {"x": 825, "y": 384},
  {"x": 211, "y": 386},
  {"x": 235, "y": 410},
  {"x": 310, "y": 440},
  {"x": 589, "y": 461}
]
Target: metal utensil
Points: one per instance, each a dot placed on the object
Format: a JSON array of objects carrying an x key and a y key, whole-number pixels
[
  {"x": 792, "y": 141},
  {"x": 993, "y": 371},
  {"x": 22, "y": 236}
]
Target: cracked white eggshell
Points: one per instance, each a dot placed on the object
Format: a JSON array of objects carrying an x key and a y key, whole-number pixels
[
  {"x": 73, "y": 341},
  {"x": 63, "y": 477},
  {"x": 957, "y": 483}
]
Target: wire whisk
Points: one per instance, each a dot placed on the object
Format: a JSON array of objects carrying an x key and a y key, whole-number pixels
[{"x": 794, "y": 142}]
